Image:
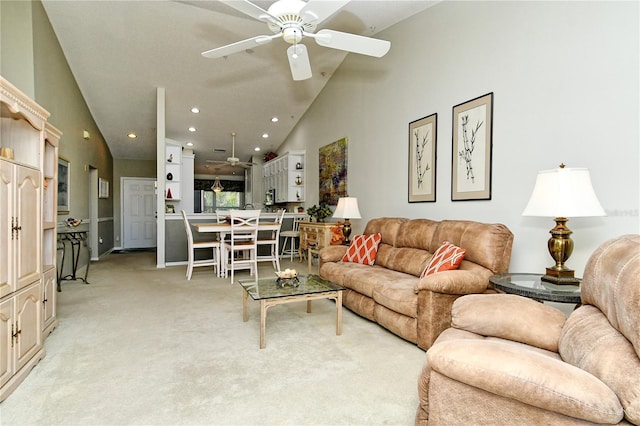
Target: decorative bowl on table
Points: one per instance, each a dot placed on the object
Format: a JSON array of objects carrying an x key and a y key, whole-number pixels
[
  {"x": 72, "y": 223},
  {"x": 287, "y": 278}
]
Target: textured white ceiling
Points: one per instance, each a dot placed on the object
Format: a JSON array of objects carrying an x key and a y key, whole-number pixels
[{"x": 120, "y": 52}]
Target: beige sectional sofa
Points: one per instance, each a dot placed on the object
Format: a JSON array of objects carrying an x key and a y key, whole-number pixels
[{"x": 391, "y": 292}]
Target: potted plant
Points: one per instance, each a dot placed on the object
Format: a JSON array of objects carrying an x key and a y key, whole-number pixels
[{"x": 320, "y": 212}]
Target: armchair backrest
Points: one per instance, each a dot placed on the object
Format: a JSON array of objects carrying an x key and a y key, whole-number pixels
[
  {"x": 611, "y": 282},
  {"x": 603, "y": 335}
]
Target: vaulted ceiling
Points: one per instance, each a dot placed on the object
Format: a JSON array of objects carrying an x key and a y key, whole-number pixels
[{"x": 120, "y": 52}]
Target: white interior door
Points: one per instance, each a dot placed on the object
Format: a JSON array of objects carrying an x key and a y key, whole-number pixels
[{"x": 138, "y": 213}]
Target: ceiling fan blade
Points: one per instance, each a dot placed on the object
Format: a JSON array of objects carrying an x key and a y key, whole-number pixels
[
  {"x": 252, "y": 10},
  {"x": 238, "y": 46},
  {"x": 316, "y": 11},
  {"x": 351, "y": 42},
  {"x": 215, "y": 161},
  {"x": 299, "y": 62}
]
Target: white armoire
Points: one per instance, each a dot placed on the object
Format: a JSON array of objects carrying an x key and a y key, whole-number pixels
[{"x": 28, "y": 240}]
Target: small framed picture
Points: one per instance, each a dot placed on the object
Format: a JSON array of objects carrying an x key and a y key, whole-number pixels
[
  {"x": 63, "y": 186},
  {"x": 471, "y": 149},
  {"x": 103, "y": 188},
  {"x": 422, "y": 159}
]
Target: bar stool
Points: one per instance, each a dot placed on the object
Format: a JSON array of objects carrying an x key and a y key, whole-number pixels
[{"x": 291, "y": 236}]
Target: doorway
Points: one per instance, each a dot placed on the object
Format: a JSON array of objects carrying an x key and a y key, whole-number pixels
[
  {"x": 93, "y": 213},
  {"x": 139, "y": 218}
]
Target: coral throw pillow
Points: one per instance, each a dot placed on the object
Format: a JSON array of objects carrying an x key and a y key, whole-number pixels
[
  {"x": 363, "y": 249},
  {"x": 448, "y": 257}
]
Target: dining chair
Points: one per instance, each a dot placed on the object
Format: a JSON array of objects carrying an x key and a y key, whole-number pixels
[
  {"x": 273, "y": 240},
  {"x": 240, "y": 249},
  {"x": 291, "y": 236},
  {"x": 214, "y": 260}
]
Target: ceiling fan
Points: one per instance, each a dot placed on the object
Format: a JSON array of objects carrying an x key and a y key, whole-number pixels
[
  {"x": 233, "y": 160},
  {"x": 294, "y": 20}
]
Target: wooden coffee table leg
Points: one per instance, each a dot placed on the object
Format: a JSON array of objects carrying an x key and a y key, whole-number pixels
[
  {"x": 245, "y": 313},
  {"x": 339, "y": 314},
  {"x": 263, "y": 323},
  {"x": 308, "y": 306}
]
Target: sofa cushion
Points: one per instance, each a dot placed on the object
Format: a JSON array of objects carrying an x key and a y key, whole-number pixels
[
  {"x": 363, "y": 249},
  {"x": 448, "y": 257},
  {"x": 527, "y": 376},
  {"x": 398, "y": 295},
  {"x": 488, "y": 245}
]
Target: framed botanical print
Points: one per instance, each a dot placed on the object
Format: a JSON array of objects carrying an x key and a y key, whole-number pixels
[
  {"x": 422, "y": 159},
  {"x": 471, "y": 149}
]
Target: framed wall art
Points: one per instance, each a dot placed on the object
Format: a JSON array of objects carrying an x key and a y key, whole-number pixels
[
  {"x": 422, "y": 159},
  {"x": 63, "y": 185},
  {"x": 332, "y": 180},
  {"x": 471, "y": 149},
  {"x": 103, "y": 188}
]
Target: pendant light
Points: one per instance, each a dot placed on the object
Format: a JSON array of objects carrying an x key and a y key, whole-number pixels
[{"x": 217, "y": 186}]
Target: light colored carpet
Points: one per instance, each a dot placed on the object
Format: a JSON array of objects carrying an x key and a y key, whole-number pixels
[{"x": 144, "y": 346}]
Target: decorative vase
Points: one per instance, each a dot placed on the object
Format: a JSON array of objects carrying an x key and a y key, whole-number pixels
[
  {"x": 169, "y": 176},
  {"x": 169, "y": 193}
]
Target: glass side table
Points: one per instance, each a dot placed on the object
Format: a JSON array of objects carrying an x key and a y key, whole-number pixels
[{"x": 531, "y": 286}]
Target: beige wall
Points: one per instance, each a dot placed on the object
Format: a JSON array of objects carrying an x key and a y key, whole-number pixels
[
  {"x": 565, "y": 82},
  {"x": 48, "y": 79},
  {"x": 16, "y": 45}
]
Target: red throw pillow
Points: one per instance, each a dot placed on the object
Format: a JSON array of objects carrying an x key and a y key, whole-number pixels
[
  {"x": 363, "y": 249},
  {"x": 447, "y": 258}
]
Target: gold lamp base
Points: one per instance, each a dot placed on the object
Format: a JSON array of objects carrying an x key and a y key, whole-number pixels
[
  {"x": 346, "y": 231},
  {"x": 560, "y": 248}
]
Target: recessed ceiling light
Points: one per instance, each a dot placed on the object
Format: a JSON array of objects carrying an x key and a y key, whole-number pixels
[
  {"x": 132, "y": 135},
  {"x": 189, "y": 143},
  {"x": 192, "y": 129},
  {"x": 195, "y": 110},
  {"x": 257, "y": 148},
  {"x": 265, "y": 135},
  {"x": 274, "y": 119}
]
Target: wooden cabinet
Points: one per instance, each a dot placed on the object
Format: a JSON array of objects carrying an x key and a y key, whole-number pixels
[
  {"x": 28, "y": 202},
  {"x": 315, "y": 234},
  {"x": 286, "y": 174},
  {"x": 21, "y": 337},
  {"x": 20, "y": 218}
]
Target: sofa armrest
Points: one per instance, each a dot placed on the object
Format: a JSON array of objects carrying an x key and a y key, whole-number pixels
[
  {"x": 528, "y": 377},
  {"x": 509, "y": 317},
  {"x": 332, "y": 254},
  {"x": 454, "y": 282}
]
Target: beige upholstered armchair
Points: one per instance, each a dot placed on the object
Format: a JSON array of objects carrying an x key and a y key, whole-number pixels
[{"x": 511, "y": 360}]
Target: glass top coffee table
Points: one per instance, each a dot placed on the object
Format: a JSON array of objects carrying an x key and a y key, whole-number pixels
[
  {"x": 531, "y": 286},
  {"x": 270, "y": 293}
]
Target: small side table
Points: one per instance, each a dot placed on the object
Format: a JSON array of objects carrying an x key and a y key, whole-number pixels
[{"x": 531, "y": 286}]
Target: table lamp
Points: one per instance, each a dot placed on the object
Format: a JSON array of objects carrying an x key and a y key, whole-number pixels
[
  {"x": 562, "y": 193},
  {"x": 347, "y": 209}
]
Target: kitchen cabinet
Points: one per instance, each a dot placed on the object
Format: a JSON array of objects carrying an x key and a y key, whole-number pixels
[{"x": 286, "y": 175}]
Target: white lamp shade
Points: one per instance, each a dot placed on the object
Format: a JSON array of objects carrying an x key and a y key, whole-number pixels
[
  {"x": 564, "y": 192},
  {"x": 347, "y": 208}
]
